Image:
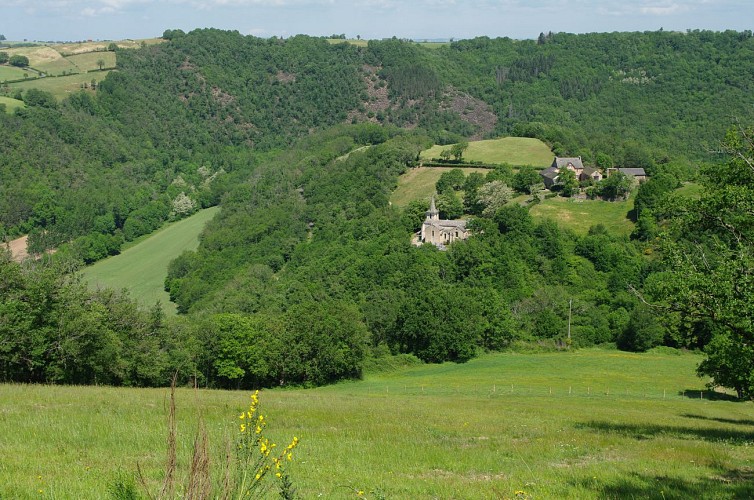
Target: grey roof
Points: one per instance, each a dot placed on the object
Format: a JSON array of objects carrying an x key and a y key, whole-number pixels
[
  {"x": 550, "y": 173},
  {"x": 452, "y": 223},
  {"x": 459, "y": 223},
  {"x": 563, "y": 162},
  {"x": 590, "y": 170},
  {"x": 633, "y": 171}
]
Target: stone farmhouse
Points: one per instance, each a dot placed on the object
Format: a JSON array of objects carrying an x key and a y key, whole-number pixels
[
  {"x": 441, "y": 232},
  {"x": 550, "y": 175},
  {"x": 637, "y": 174}
]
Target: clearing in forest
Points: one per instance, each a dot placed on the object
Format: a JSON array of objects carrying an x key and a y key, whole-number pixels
[
  {"x": 419, "y": 183},
  {"x": 586, "y": 424},
  {"x": 579, "y": 215},
  {"x": 515, "y": 151},
  {"x": 143, "y": 267},
  {"x": 11, "y": 104}
]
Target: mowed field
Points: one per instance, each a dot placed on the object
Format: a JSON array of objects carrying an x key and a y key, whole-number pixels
[
  {"x": 419, "y": 183},
  {"x": 515, "y": 151},
  {"x": 585, "y": 424},
  {"x": 142, "y": 268},
  {"x": 579, "y": 215},
  {"x": 11, "y": 104},
  {"x": 11, "y": 73},
  {"x": 61, "y": 86}
]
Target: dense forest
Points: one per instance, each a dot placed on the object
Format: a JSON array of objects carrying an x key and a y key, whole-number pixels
[{"x": 308, "y": 273}]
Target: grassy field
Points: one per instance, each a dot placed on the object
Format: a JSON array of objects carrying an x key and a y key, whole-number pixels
[
  {"x": 513, "y": 150},
  {"x": 38, "y": 55},
  {"x": 88, "y": 61},
  {"x": 56, "y": 67},
  {"x": 588, "y": 424},
  {"x": 61, "y": 86},
  {"x": 11, "y": 73},
  {"x": 580, "y": 215},
  {"x": 11, "y": 104},
  {"x": 691, "y": 190},
  {"x": 419, "y": 183},
  {"x": 142, "y": 268}
]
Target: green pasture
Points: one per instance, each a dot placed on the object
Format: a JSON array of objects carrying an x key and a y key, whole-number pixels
[
  {"x": 56, "y": 67},
  {"x": 513, "y": 150},
  {"x": 579, "y": 215},
  {"x": 62, "y": 86},
  {"x": 690, "y": 190},
  {"x": 11, "y": 73},
  {"x": 88, "y": 61},
  {"x": 142, "y": 268},
  {"x": 419, "y": 183},
  {"x": 352, "y": 41},
  {"x": 11, "y": 104},
  {"x": 586, "y": 424}
]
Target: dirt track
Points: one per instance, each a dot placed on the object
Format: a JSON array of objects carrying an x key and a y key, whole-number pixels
[{"x": 18, "y": 248}]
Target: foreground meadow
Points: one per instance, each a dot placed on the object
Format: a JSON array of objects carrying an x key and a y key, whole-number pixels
[{"x": 588, "y": 424}]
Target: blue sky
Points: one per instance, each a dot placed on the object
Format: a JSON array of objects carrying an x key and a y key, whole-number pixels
[{"x": 118, "y": 19}]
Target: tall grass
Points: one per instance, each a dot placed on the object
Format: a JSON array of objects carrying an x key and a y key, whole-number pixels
[{"x": 489, "y": 428}]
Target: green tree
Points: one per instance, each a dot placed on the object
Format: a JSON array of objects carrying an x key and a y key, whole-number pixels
[
  {"x": 18, "y": 60},
  {"x": 100, "y": 63},
  {"x": 710, "y": 262},
  {"x": 525, "y": 178},
  {"x": 729, "y": 363},
  {"x": 4, "y": 57},
  {"x": 604, "y": 161},
  {"x": 569, "y": 184},
  {"x": 493, "y": 196},
  {"x": 449, "y": 205},
  {"x": 615, "y": 187},
  {"x": 458, "y": 149},
  {"x": 452, "y": 180}
]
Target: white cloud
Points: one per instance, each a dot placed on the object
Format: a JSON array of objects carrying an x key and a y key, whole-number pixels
[{"x": 663, "y": 10}]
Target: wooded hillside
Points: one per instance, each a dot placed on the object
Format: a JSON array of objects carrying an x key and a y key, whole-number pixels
[{"x": 309, "y": 270}]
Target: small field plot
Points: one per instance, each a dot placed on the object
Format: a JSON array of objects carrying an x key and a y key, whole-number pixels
[
  {"x": 56, "y": 67},
  {"x": 68, "y": 49},
  {"x": 691, "y": 190},
  {"x": 11, "y": 73},
  {"x": 419, "y": 183},
  {"x": 513, "y": 150},
  {"x": 90, "y": 60},
  {"x": 61, "y": 86},
  {"x": 39, "y": 56},
  {"x": 142, "y": 268},
  {"x": 580, "y": 215},
  {"x": 11, "y": 104},
  {"x": 585, "y": 425}
]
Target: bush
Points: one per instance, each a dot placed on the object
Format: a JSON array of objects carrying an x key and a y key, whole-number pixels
[{"x": 19, "y": 61}]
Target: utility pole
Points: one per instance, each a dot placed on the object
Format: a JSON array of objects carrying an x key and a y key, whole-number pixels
[{"x": 570, "y": 304}]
